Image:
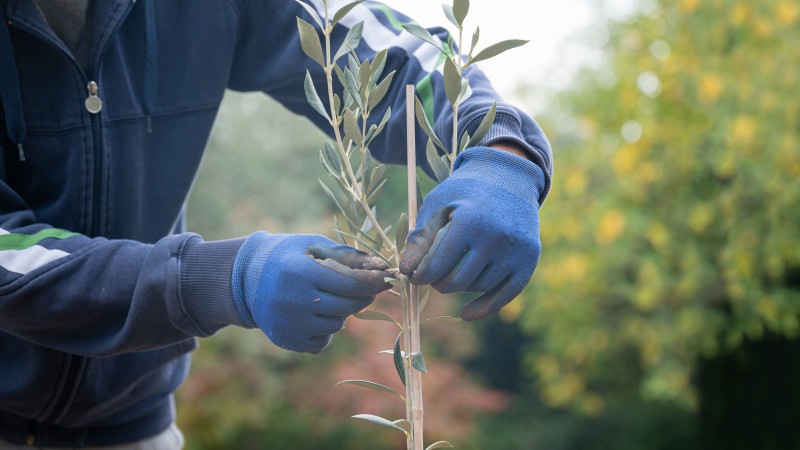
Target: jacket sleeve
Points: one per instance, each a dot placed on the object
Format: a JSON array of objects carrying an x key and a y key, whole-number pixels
[
  {"x": 269, "y": 58},
  {"x": 101, "y": 297}
]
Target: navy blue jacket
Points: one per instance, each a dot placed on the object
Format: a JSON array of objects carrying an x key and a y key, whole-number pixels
[{"x": 101, "y": 291}]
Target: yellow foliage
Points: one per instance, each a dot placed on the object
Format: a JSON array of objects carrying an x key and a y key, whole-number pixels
[
  {"x": 599, "y": 340},
  {"x": 658, "y": 235},
  {"x": 563, "y": 391},
  {"x": 625, "y": 159},
  {"x": 787, "y": 12},
  {"x": 744, "y": 128},
  {"x": 700, "y": 217},
  {"x": 739, "y": 13},
  {"x": 547, "y": 367},
  {"x": 576, "y": 182},
  {"x": 697, "y": 221},
  {"x": 592, "y": 405},
  {"x": 710, "y": 87},
  {"x": 768, "y": 309},
  {"x": 511, "y": 312},
  {"x": 611, "y": 226},
  {"x": 574, "y": 267},
  {"x": 763, "y": 28},
  {"x": 689, "y": 5}
]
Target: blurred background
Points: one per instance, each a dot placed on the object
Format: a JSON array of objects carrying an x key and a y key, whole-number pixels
[{"x": 664, "y": 311}]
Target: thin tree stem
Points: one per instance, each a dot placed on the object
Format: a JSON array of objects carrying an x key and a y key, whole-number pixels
[{"x": 414, "y": 408}]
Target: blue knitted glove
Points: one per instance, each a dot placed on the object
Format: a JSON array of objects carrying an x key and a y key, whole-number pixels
[
  {"x": 478, "y": 231},
  {"x": 299, "y": 289}
]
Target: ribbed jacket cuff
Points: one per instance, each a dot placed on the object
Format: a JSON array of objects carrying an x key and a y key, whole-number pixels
[
  {"x": 505, "y": 170},
  {"x": 205, "y": 275}
]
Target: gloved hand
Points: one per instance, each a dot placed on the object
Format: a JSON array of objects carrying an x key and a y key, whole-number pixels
[
  {"x": 478, "y": 231},
  {"x": 299, "y": 289}
]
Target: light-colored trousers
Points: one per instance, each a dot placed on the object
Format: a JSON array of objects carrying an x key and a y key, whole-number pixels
[{"x": 169, "y": 439}]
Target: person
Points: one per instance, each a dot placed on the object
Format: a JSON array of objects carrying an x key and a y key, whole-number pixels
[{"x": 106, "y": 109}]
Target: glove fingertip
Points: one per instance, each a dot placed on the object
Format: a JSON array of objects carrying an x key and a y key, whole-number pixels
[{"x": 489, "y": 303}]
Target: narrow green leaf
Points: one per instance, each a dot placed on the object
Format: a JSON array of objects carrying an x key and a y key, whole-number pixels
[
  {"x": 376, "y": 67},
  {"x": 339, "y": 74},
  {"x": 418, "y": 362},
  {"x": 380, "y": 91},
  {"x": 343, "y": 11},
  {"x": 371, "y": 385},
  {"x": 375, "y": 315},
  {"x": 313, "y": 98},
  {"x": 448, "y": 11},
  {"x": 440, "y": 169},
  {"x": 495, "y": 49},
  {"x": 309, "y": 41},
  {"x": 330, "y": 194},
  {"x": 463, "y": 95},
  {"x": 391, "y": 352},
  {"x": 330, "y": 171},
  {"x": 370, "y": 134},
  {"x": 484, "y": 126},
  {"x": 424, "y": 300},
  {"x": 366, "y": 236},
  {"x": 419, "y": 196},
  {"x": 351, "y": 40},
  {"x": 350, "y": 210},
  {"x": 351, "y": 223},
  {"x": 333, "y": 156},
  {"x": 452, "y": 81},
  {"x": 363, "y": 75},
  {"x": 364, "y": 171},
  {"x": 422, "y": 119},
  {"x": 384, "y": 121},
  {"x": 338, "y": 231},
  {"x": 404, "y": 424},
  {"x": 353, "y": 64},
  {"x": 460, "y": 9},
  {"x": 399, "y": 365},
  {"x": 377, "y": 420},
  {"x": 311, "y": 12},
  {"x": 422, "y": 33},
  {"x": 402, "y": 232},
  {"x": 374, "y": 195},
  {"x": 441, "y": 319},
  {"x": 440, "y": 444},
  {"x": 351, "y": 85},
  {"x": 376, "y": 175},
  {"x": 463, "y": 142},
  {"x": 366, "y": 245},
  {"x": 475, "y": 37},
  {"x": 367, "y": 226},
  {"x": 351, "y": 129},
  {"x": 337, "y": 104},
  {"x": 367, "y": 160}
]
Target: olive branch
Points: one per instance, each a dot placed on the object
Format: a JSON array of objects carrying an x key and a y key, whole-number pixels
[{"x": 364, "y": 86}]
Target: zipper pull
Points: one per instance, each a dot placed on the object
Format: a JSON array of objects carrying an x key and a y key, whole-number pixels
[{"x": 93, "y": 102}]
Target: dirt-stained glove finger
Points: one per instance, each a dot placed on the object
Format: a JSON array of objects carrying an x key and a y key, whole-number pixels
[
  {"x": 354, "y": 264},
  {"x": 421, "y": 244},
  {"x": 492, "y": 301}
]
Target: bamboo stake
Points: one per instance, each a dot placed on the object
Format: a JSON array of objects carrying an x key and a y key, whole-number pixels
[{"x": 411, "y": 310}]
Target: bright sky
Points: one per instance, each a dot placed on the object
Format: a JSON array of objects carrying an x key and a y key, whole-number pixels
[{"x": 564, "y": 35}]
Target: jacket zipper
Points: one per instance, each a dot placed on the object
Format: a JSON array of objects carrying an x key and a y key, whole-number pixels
[{"x": 94, "y": 104}]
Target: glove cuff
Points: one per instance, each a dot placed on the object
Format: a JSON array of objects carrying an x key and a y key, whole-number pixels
[
  {"x": 205, "y": 288},
  {"x": 505, "y": 170},
  {"x": 246, "y": 275}
]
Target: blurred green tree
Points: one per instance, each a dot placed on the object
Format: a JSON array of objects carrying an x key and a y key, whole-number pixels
[{"x": 671, "y": 238}]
